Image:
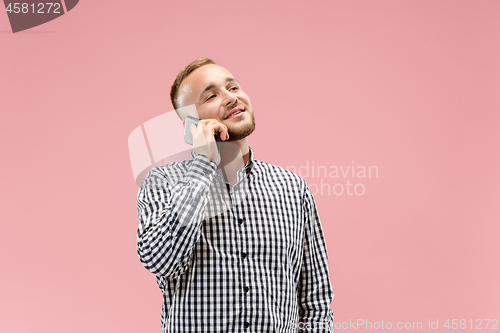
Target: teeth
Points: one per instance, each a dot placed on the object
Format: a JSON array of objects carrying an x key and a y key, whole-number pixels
[{"x": 234, "y": 113}]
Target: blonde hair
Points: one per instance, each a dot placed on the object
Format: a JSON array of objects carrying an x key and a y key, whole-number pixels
[{"x": 183, "y": 74}]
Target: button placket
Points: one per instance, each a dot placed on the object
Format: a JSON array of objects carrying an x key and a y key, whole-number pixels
[{"x": 243, "y": 259}]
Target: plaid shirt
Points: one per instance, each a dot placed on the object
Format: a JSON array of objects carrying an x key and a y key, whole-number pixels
[{"x": 244, "y": 258}]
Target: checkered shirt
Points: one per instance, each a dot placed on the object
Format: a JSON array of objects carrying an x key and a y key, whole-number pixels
[{"x": 245, "y": 258}]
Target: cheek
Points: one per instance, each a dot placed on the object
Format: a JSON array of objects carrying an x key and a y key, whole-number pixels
[
  {"x": 245, "y": 99},
  {"x": 208, "y": 113}
]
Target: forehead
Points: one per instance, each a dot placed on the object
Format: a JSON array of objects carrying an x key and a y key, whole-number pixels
[{"x": 204, "y": 76}]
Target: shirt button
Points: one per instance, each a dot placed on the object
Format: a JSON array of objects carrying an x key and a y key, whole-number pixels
[
  {"x": 243, "y": 255},
  {"x": 247, "y": 324},
  {"x": 240, "y": 221},
  {"x": 246, "y": 289}
]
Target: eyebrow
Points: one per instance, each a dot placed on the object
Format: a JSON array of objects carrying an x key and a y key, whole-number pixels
[{"x": 229, "y": 79}]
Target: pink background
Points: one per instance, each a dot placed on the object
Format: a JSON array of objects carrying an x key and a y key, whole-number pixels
[{"x": 411, "y": 87}]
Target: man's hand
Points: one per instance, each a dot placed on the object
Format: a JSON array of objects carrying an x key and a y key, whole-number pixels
[{"x": 204, "y": 138}]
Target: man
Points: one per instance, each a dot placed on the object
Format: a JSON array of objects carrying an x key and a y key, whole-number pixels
[{"x": 255, "y": 261}]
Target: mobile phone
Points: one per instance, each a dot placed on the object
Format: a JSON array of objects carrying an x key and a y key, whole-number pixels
[{"x": 188, "y": 137}]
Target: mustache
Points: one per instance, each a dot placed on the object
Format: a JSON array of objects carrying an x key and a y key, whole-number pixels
[
  {"x": 232, "y": 106},
  {"x": 228, "y": 108}
]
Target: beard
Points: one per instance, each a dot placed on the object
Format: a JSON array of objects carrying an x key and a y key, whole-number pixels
[{"x": 241, "y": 133}]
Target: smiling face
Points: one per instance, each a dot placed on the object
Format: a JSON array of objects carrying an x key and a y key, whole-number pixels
[{"x": 218, "y": 95}]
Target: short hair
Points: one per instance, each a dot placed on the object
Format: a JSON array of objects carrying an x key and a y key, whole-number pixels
[{"x": 183, "y": 74}]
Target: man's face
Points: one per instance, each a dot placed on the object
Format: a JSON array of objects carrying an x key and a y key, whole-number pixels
[{"x": 217, "y": 95}]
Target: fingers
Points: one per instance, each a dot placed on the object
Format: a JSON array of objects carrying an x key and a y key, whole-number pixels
[
  {"x": 210, "y": 126},
  {"x": 204, "y": 137},
  {"x": 193, "y": 130},
  {"x": 220, "y": 127}
]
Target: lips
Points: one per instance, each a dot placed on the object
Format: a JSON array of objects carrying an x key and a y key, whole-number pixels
[{"x": 235, "y": 110}]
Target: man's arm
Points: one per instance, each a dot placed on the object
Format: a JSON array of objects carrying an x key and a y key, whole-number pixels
[
  {"x": 170, "y": 217},
  {"x": 315, "y": 291}
]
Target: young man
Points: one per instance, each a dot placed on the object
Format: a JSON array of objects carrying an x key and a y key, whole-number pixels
[{"x": 249, "y": 256}]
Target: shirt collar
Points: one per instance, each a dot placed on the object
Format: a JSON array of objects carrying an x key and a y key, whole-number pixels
[{"x": 249, "y": 167}]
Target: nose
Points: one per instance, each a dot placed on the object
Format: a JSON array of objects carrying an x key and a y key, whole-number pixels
[{"x": 230, "y": 99}]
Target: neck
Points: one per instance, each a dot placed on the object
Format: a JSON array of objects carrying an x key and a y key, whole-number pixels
[{"x": 234, "y": 156}]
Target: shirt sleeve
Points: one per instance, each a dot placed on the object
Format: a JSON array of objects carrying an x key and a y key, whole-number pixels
[
  {"x": 315, "y": 292},
  {"x": 170, "y": 217}
]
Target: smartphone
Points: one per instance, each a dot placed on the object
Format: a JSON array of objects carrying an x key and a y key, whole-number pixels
[{"x": 188, "y": 137}]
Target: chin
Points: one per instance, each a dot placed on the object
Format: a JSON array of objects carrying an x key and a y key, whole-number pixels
[{"x": 241, "y": 133}]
